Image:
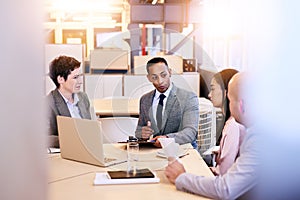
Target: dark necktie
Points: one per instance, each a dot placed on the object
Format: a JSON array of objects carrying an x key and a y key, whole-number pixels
[{"x": 159, "y": 110}]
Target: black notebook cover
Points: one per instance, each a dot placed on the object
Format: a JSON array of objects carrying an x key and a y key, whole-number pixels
[{"x": 140, "y": 173}]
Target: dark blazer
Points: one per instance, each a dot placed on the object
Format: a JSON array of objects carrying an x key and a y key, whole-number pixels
[
  {"x": 58, "y": 106},
  {"x": 180, "y": 119}
]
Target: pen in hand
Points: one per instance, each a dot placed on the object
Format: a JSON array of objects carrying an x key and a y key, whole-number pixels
[
  {"x": 181, "y": 156},
  {"x": 173, "y": 159},
  {"x": 151, "y": 136}
]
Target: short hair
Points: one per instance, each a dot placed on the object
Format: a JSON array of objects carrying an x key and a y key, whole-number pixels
[
  {"x": 154, "y": 61},
  {"x": 62, "y": 66}
]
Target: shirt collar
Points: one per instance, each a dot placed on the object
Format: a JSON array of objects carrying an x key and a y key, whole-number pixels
[
  {"x": 75, "y": 97},
  {"x": 166, "y": 93}
]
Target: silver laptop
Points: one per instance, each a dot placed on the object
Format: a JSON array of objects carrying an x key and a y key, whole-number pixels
[{"x": 81, "y": 140}]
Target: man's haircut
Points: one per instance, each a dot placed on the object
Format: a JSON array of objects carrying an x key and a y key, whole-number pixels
[
  {"x": 154, "y": 61},
  {"x": 62, "y": 66}
]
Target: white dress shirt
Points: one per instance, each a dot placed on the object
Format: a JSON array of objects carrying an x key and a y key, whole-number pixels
[
  {"x": 156, "y": 101},
  {"x": 73, "y": 107}
]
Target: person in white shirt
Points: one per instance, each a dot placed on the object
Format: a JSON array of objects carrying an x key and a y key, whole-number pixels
[
  {"x": 242, "y": 176},
  {"x": 167, "y": 111}
]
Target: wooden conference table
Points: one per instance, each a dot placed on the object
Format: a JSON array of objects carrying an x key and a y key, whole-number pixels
[{"x": 74, "y": 180}]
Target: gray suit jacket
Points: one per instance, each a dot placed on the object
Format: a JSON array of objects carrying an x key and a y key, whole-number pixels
[
  {"x": 57, "y": 106},
  {"x": 180, "y": 119}
]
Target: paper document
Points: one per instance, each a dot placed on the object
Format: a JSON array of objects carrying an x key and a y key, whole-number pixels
[
  {"x": 181, "y": 152},
  {"x": 53, "y": 150},
  {"x": 211, "y": 150},
  {"x": 103, "y": 178}
]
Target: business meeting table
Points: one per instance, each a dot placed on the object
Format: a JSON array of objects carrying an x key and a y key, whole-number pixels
[{"x": 74, "y": 180}]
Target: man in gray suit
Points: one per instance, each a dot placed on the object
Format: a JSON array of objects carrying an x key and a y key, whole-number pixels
[
  {"x": 66, "y": 99},
  {"x": 167, "y": 111}
]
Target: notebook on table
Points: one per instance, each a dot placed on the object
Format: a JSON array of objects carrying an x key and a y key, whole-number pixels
[{"x": 81, "y": 140}]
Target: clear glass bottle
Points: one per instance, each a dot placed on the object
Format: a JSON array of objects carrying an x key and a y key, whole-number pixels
[{"x": 132, "y": 154}]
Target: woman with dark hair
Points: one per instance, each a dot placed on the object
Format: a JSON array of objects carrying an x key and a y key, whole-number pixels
[
  {"x": 218, "y": 96},
  {"x": 233, "y": 132}
]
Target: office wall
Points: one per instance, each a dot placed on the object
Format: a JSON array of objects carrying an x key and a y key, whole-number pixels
[
  {"x": 133, "y": 86},
  {"x": 22, "y": 129},
  {"x": 100, "y": 86},
  {"x": 137, "y": 85}
]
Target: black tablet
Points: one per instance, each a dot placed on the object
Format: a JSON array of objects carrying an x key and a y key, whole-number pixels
[
  {"x": 140, "y": 173},
  {"x": 146, "y": 143}
]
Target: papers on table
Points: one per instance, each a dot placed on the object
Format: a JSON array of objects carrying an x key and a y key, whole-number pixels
[
  {"x": 181, "y": 153},
  {"x": 53, "y": 150},
  {"x": 211, "y": 150},
  {"x": 169, "y": 147}
]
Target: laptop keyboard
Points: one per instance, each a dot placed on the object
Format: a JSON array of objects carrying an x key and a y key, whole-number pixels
[{"x": 107, "y": 160}]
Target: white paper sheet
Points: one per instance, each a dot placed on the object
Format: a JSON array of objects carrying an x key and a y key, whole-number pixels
[{"x": 210, "y": 150}]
